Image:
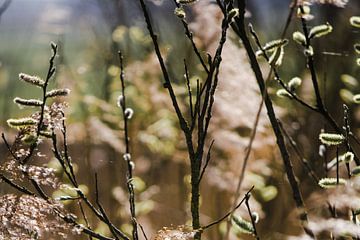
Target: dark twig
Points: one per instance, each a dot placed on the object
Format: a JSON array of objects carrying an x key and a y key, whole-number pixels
[
  {"x": 127, "y": 156},
  {"x": 50, "y": 73},
  {"x": 189, "y": 35},
  {"x": 102, "y": 210},
  {"x": 201, "y": 113},
  {"x": 247, "y": 197},
  {"x": 187, "y": 78},
  {"x": 208, "y": 157},
  {"x": 229, "y": 213},
  {"x": 337, "y": 165},
  {"x": 16, "y": 186},
  {"x": 240, "y": 24},
  {"x": 301, "y": 157},
  {"x": 310, "y": 61},
  {"x": 143, "y": 231}
]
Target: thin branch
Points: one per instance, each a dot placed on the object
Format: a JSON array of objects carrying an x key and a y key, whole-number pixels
[
  {"x": 189, "y": 35},
  {"x": 127, "y": 156},
  {"x": 247, "y": 197},
  {"x": 299, "y": 154},
  {"x": 229, "y": 213},
  {"x": 16, "y": 186},
  {"x": 187, "y": 78},
  {"x": 277, "y": 76},
  {"x": 102, "y": 210},
  {"x": 208, "y": 158},
  {"x": 240, "y": 23},
  {"x": 143, "y": 231},
  {"x": 50, "y": 73},
  {"x": 311, "y": 65}
]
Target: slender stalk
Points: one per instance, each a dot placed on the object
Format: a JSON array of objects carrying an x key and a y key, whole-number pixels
[
  {"x": 251, "y": 216},
  {"x": 297, "y": 196},
  {"x": 127, "y": 156}
]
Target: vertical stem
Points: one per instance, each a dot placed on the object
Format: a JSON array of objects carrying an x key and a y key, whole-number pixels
[
  {"x": 337, "y": 165},
  {"x": 127, "y": 158},
  {"x": 240, "y": 24}
]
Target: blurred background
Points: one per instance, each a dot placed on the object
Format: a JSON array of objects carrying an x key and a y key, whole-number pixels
[{"x": 89, "y": 34}]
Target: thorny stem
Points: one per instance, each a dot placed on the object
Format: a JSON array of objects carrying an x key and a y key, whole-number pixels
[{"x": 129, "y": 174}]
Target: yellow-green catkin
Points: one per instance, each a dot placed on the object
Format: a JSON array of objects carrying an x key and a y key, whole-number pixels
[
  {"x": 355, "y": 171},
  {"x": 28, "y": 102},
  {"x": 331, "y": 138},
  {"x": 186, "y": 2},
  {"x": 283, "y": 93},
  {"x": 356, "y": 98},
  {"x": 349, "y": 81},
  {"x": 233, "y": 13},
  {"x": 180, "y": 12},
  {"x": 331, "y": 182},
  {"x": 320, "y": 30},
  {"x": 277, "y": 56},
  {"x": 58, "y": 92},
  {"x": 243, "y": 225},
  {"x": 271, "y": 46},
  {"x": 355, "y": 21},
  {"x": 357, "y": 48},
  {"x": 299, "y": 38},
  {"x": 34, "y": 80},
  {"x": 21, "y": 122},
  {"x": 294, "y": 83},
  {"x": 348, "y": 157}
]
